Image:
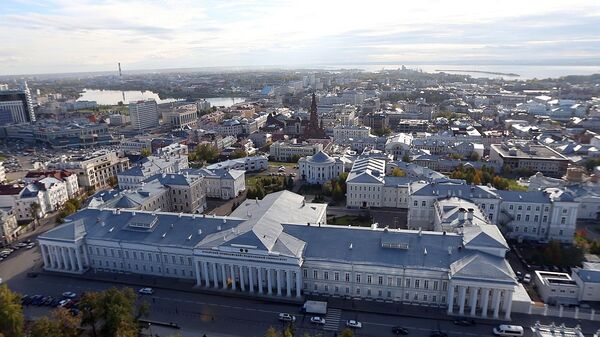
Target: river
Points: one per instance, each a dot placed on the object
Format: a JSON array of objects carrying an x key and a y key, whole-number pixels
[{"x": 113, "y": 97}]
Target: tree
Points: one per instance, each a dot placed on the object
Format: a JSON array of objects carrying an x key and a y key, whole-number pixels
[
  {"x": 11, "y": 313},
  {"x": 271, "y": 332},
  {"x": 406, "y": 158},
  {"x": 145, "y": 152},
  {"x": 35, "y": 213},
  {"x": 112, "y": 312},
  {"x": 239, "y": 154},
  {"x": 295, "y": 158},
  {"x": 60, "y": 324},
  {"x": 337, "y": 193},
  {"x": 398, "y": 172},
  {"x": 347, "y": 333},
  {"x": 474, "y": 156}
]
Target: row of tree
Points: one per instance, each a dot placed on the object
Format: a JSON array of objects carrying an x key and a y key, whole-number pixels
[
  {"x": 204, "y": 153},
  {"x": 108, "y": 313},
  {"x": 289, "y": 332},
  {"x": 265, "y": 185},
  {"x": 483, "y": 176},
  {"x": 336, "y": 188}
]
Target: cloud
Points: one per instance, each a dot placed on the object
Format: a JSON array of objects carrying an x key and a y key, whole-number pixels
[{"x": 86, "y": 35}]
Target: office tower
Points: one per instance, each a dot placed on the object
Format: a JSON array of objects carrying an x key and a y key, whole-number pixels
[
  {"x": 16, "y": 105},
  {"x": 143, "y": 114}
]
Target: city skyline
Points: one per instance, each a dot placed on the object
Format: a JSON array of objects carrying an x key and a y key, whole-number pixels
[{"x": 61, "y": 36}]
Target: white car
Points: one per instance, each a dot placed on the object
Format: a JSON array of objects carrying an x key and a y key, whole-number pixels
[
  {"x": 353, "y": 324},
  {"x": 146, "y": 291},
  {"x": 317, "y": 320},
  {"x": 69, "y": 294},
  {"x": 527, "y": 278},
  {"x": 287, "y": 317}
]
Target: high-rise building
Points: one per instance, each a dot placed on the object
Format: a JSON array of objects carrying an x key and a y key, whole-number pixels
[
  {"x": 16, "y": 105},
  {"x": 143, "y": 114}
]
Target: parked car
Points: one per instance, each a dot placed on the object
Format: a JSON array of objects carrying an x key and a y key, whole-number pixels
[
  {"x": 146, "y": 291},
  {"x": 69, "y": 294},
  {"x": 25, "y": 300},
  {"x": 464, "y": 322},
  {"x": 64, "y": 303},
  {"x": 31, "y": 245},
  {"x": 508, "y": 330},
  {"x": 438, "y": 333},
  {"x": 36, "y": 300},
  {"x": 519, "y": 276},
  {"x": 353, "y": 324},
  {"x": 398, "y": 330},
  {"x": 527, "y": 278},
  {"x": 317, "y": 320},
  {"x": 286, "y": 317}
]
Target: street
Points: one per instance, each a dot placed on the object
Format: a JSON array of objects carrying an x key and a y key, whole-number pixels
[{"x": 225, "y": 316}]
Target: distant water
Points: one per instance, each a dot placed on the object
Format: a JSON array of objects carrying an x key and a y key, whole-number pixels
[
  {"x": 113, "y": 97},
  {"x": 525, "y": 72}
]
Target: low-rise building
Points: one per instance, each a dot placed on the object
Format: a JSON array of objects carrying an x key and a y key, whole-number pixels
[
  {"x": 248, "y": 164},
  {"x": 556, "y": 288},
  {"x": 165, "y": 161},
  {"x": 320, "y": 168},
  {"x": 530, "y": 157},
  {"x": 8, "y": 226},
  {"x": 281, "y": 246},
  {"x": 185, "y": 116},
  {"x": 285, "y": 150},
  {"x": 223, "y": 183},
  {"x": 94, "y": 170},
  {"x": 588, "y": 280},
  {"x": 40, "y": 198}
]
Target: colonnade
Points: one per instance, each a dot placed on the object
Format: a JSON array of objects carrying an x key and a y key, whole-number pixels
[{"x": 485, "y": 300}]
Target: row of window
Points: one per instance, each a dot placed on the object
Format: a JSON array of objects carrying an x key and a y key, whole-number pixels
[
  {"x": 142, "y": 256},
  {"x": 416, "y": 297},
  {"x": 379, "y": 280},
  {"x": 144, "y": 268}
]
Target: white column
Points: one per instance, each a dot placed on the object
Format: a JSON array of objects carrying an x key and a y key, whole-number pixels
[
  {"x": 58, "y": 257},
  {"x": 86, "y": 258},
  {"x": 278, "y": 282},
  {"x": 269, "y": 282},
  {"x": 64, "y": 256},
  {"x": 206, "y": 276},
  {"x": 250, "y": 279},
  {"x": 288, "y": 283},
  {"x": 473, "y": 300},
  {"x": 198, "y": 276},
  {"x": 496, "y": 302},
  {"x": 224, "y": 276},
  {"x": 78, "y": 257},
  {"x": 507, "y": 303},
  {"x": 242, "y": 280},
  {"x": 233, "y": 281},
  {"x": 298, "y": 283},
  {"x": 485, "y": 295},
  {"x": 462, "y": 291},
  {"x": 260, "y": 280},
  {"x": 450, "y": 298},
  {"x": 215, "y": 276},
  {"x": 71, "y": 253},
  {"x": 44, "y": 256}
]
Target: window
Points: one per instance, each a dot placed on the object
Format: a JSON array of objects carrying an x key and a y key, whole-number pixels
[
  {"x": 358, "y": 290},
  {"x": 491, "y": 207},
  {"x": 326, "y": 275},
  {"x": 416, "y": 203},
  {"x": 357, "y": 278},
  {"x": 407, "y": 283},
  {"x": 336, "y": 289},
  {"x": 315, "y": 274},
  {"x": 519, "y": 208},
  {"x": 426, "y": 284},
  {"x": 305, "y": 273},
  {"x": 417, "y": 283},
  {"x": 435, "y": 285},
  {"x": 545, "y": 218},
  {"x": 510, "y": 207},
  {"x": 336, "y": 276},
  {"x": 416, "y": 297},
  {"x": 527, "y": 217},
  {"x": 518, "y": 217},
  {"x": 347, "y": 277},
  {"x": 536, "y": 218},
  {"x": 423, "y": 203},
  {"x": 368, "y": 279},
  {"x": 434, "y": 299},
  {"x": 444, "y": 286},
  {"x": 529, "y": 208},
  {"x": 482, "y": 206},
  {"x": 347, "y": 290},
  {"x": 380, "y": 280},
  {"x": 563, "y": 220},
  {"x": 424, "y": 298},
  {"x": 406, "y": 296}
]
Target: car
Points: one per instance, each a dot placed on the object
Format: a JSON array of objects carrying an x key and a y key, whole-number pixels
[
  {"x": 29, "y": 246},
  {"x": 398, "y": 330},
  {"x": 464, "y": 322},
  {"x": 55, "y": 302},
  {"x": 48, "y": 300},
  {"x": 25, "y": 299},
  {"x": 527, "y": 278},
  {"x": 352, "y": 323},
  {"x": 64, "y": 303},
  {"x": 21, "y": 244},
  {"x": 285, "y": 317},
  {"x": 438, "y": 333},
  {"x": 69, "y": 294},
  {"x": 42, "y": 301},
  {"x": 146, "y": 291},
  {"x": 519, "y": 275},
  {"x": 281, "y": 169},
  {"x": 36, "y": 300},
  {"x": 317, "y": 320}
]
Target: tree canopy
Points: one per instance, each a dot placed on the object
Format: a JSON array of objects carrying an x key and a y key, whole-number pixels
[{"x": 11, "y": 313}]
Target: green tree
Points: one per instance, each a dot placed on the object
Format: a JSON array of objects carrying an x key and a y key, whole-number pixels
[
  {"x": 11, "y": 313},
  {"x": 295, "y": 158},
  {"x": 145, "y": 152},
  {"x": 398, "y": 172},
  {"x": 406, "y": 158},
  {"x": 474, "y": 156},
  {"x": 60, "y": 324},
  {"x": 347, "y": 333},
  {"x": 112, "y": 312},
  {"x": 338, "y": 193},
  {"x": 272, "y": 332},
  {"x": 35, "y": 213},
  {"x": 239, "y": 154}
]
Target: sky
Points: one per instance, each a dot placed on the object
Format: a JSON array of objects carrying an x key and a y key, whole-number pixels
[{"x": 57, "y": 36}]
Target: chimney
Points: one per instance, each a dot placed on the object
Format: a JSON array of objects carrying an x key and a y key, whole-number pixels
[
  {"x": 420, "y": 232},
  {"x": 462, "y": 214},
  {"x": 449, "y": 250},
  {"x": 470, "y": 214}
]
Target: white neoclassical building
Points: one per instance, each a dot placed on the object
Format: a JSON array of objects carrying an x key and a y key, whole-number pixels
[
  {"x": 320, "y": 168},
  {"x": 281, "y": 246}
]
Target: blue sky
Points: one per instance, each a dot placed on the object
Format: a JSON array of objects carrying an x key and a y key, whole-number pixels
[{"x": 84, "y": 35}]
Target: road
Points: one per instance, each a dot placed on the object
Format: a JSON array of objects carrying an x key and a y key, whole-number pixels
[{"x": 220, "y": 316}]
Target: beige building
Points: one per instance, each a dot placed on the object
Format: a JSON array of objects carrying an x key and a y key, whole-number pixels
[
  {"x": 532, "y": 157},
  {"x": 284, "y": 151},
  {"x": 94, "y": 170}
]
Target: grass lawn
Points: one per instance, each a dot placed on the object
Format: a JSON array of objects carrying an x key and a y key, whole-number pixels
[
  {"x": 353, "y": 220},
  {"x": 514, "y": 186},
  {"x": 279, "y": 163}
]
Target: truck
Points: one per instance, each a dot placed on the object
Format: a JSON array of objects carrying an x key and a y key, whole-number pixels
[{"x": 315, "y": 307}]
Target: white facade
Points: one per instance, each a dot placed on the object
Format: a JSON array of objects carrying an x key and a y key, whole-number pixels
[
  {"x": 94, "y": 170},
  {"x": 341, "y": 132},
  {"x": 235, "y": 254},
  {"x": 556, "y": 288},
  {"x": 320, "y": 168},
  {"x": 284, "y": 151},
  {"x": 143, "y": 114},
  {"x": 49, "y": 194},
  {"x": 224, "y": 184},
  {"x": 248, "y": 164},
  {"x": 17, "y": 111},
  {"x": 163, "y": 162},
  {"x": 588, "y": 280}
]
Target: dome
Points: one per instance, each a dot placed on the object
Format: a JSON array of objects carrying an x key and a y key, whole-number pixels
[{"x": 321, "y": 157}]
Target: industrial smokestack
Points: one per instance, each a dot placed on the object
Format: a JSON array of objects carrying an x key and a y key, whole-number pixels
[{"x": 119, "y": 69}]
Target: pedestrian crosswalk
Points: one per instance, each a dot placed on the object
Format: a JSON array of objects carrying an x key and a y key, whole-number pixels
[{"x": 332, "y": 319}]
